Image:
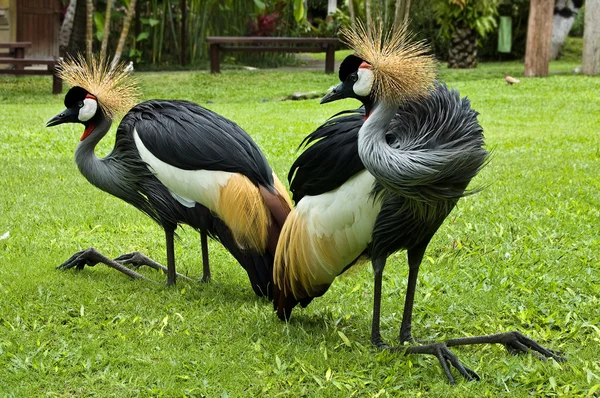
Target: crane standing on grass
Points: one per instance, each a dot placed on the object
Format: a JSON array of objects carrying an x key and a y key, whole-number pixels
[
  {"x": 178, "y": 163},
  {"x": 370, "y": 189}
]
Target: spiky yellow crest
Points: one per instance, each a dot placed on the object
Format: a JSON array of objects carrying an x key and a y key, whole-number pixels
[
  {"x": 115, "y": 89},
  {"x": 403, "y": 68}
]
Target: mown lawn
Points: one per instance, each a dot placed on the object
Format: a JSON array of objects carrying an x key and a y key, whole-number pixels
[{"x": 523, "y": 254}]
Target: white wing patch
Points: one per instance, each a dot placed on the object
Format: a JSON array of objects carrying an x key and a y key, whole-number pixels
[
  {"x": 339, "y": 226},
  {"x": 186, "y": 186}
]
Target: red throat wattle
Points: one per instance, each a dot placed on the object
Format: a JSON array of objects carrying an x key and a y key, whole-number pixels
[{"x": 88, "y": 130}]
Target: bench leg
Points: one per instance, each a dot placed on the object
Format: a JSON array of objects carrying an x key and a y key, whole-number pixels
[
  {"x": 56, "y": 83},
  {"x": 215, "y": 58},
  {"x": 330, "y": 59},
  {"x": 20, "y": 54}
]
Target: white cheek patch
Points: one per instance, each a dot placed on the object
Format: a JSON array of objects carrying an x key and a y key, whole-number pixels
[
  {"x": 88, "y": 110},
  {"x": 364, "y": 84}
]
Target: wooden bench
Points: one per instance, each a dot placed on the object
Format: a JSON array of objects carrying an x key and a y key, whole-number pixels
[
  {"x": 20, "y": 64},
  {"x": 15, "y": 49},
  {"x": 277, "y": 44}
]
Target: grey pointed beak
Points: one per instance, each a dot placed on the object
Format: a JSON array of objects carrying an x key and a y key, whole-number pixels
[
  {"x": 335, "y": 94},
  {"x": 66, "y": 116}
]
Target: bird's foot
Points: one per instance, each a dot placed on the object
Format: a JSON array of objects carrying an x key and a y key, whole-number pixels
[
  {"x": 91, "y": 257},
  {"x": 80, "y": 259},
  {"x": 205, "y": 279},
  {"x": 137, "y": 260},
  {"x": 515, "y": 342},
  {"x": 440, "y": 351}
]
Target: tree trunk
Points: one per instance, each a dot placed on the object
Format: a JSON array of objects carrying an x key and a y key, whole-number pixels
[
  {"x": 539, "y": 36},
  {"x": 463, "y": 48},
  {"x": 565, "y": 12},
  {"x": 89, "y": 29},
  {"x": 369, "y": 20},
  {"x": 77, "y": 39},
  {"x": 183, "y": 37},
  {"x": 124, "y": 32},
  {"x": 331, "y": 8},
  {"x": 401, "y": 14},
  {"x": 106, "y": 32},
  {"x": 591, "y": 38},
  {"x": 67, "y": 27},
  {"x": 352, "y": 14}
]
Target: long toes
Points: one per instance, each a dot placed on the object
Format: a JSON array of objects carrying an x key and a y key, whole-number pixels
[
  {"x": 70, "y": 262},
  {"x": 522, "y": 343},
  {"x": 467, "y": 373},
  {"x": 125, "y": 258},
  {"x": 516, "y": 347},
  {"x": 442, "y": 359},
  {"x": 66, "y": 265}
]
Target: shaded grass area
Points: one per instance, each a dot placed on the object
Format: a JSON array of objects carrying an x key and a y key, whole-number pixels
[{"x": 522, "y": 254}]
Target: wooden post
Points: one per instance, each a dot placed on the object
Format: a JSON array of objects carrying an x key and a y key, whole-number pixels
[
  {"x": 56, "y": 81},
  {"x": 591, "y": 38},
  {"x": 215, "y": 61},
  {"x": 330, "y": 58},
  {"x": 539, "y": 37},
  {"x": 20, "y": 53}
]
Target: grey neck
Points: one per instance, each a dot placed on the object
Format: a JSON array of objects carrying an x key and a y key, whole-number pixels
[
  {"x": 373, "y": 149},
  {"x": 92, "y": 167}
]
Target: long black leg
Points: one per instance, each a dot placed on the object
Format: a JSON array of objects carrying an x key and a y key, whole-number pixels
[
  {"x": 415, "y": 256},
  {"x": 205, "y": 264},
  {"x": 378, "y": 266},
  {"x": 514, "y": 342},
  {"x": 171, "y": 272},
  {"x": 91, "y": 257},
  {"x": 439, "y": 350}
]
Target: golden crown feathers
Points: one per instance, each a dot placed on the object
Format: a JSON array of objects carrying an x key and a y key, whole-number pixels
[
  {"x": 114, "y": 88},
  {"x": 403, "y": 68}
]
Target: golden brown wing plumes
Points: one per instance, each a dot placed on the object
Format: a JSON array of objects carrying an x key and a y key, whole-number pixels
[
  {"x": 403, "y": 68},
  {"x": 115, "y": 89}
]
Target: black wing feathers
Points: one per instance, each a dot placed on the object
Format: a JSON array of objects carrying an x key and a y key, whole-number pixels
[
  {"x": 331, "y": 159},
  {"x": 190, "y": 137}
]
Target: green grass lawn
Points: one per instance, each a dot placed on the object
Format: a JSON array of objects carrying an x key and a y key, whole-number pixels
[{"x": 521, "y": 255}]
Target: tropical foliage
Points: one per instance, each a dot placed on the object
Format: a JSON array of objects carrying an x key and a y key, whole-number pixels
[{"x": 479, "y": 15}]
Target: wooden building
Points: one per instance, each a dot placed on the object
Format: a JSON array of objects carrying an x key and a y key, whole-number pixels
[{"x": 37, "y": 21}]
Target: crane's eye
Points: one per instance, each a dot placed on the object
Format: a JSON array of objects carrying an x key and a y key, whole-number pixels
[
  {"x": 353, "y": 77},
  {"x": 80, "y": 104}
]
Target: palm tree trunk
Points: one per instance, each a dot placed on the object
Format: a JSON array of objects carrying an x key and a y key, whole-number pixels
[
  {"x": 106, "y": 32},
  {"x": 124, "y": 32},
  {"x": 463, "y": 48},
  {"x": 77, "y": 40},
  {"x": 89, "y": 29},
  {"x": 67, "y": 26}
]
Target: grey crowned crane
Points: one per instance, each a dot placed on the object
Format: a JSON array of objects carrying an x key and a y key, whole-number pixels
[
  {"x": 379, "y": 180},
  {"x": 178, "y": 163}
]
